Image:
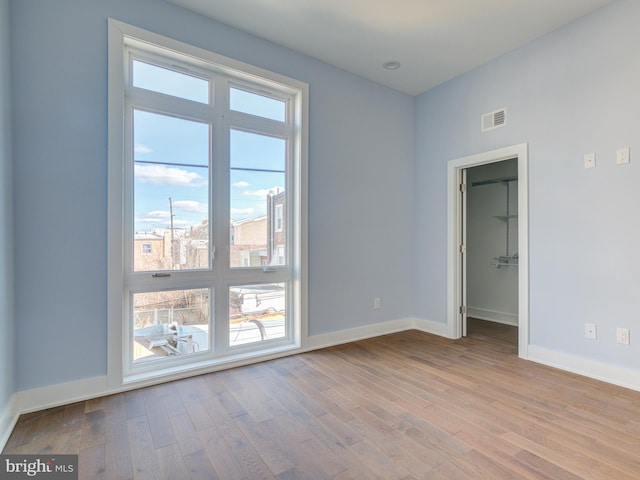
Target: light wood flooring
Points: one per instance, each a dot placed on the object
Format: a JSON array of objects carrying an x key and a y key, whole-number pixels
[{"x": 402, "y": 406}]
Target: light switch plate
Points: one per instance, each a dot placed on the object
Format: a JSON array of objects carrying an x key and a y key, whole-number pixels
[
  {"x": 623, "y": 156},
  {"x": 622, "y": 336},
  {"x": 590, "y": 160}
]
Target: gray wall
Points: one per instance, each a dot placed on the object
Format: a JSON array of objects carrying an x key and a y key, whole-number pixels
[
  {"x": 571, "y": 92},
  {"x": 361, "y": 149},
  {"x": 6, "y": 216},
  {"x": 492, "y": 293}
]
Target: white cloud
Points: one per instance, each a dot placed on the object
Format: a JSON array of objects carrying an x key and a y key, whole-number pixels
[
  {"x": 191, "y": 206},
  {"x": 262, "y": 193},
  {"x": 241, "y": 184},
  {"x": 159, "y": 214},
  {"x": 242, "y": 211},
  {"x": 163, "y": 175},
  {"x": 140, "y": 148},
  {"x": 154, "y": 217}
]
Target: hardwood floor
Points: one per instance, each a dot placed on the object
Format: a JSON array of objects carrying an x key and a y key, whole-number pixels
[{"x": 402, "y": 406}]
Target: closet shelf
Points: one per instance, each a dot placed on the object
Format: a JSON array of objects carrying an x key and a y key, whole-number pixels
[
  {"x": 506, "y": 261},
  {"x": 505, "y": 218},
  {"x": 500, "y": 265}
]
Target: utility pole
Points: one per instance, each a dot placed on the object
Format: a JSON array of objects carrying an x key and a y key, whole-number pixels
[{"x": 173, "y": 247}]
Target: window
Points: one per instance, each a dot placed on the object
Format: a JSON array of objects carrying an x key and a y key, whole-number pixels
[
  {"x": 278, "y": 216},
  {"x": 210, "y": 175}
]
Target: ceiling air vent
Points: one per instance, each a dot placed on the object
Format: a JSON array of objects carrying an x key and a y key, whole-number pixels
[{"x": 492, "y": 120}]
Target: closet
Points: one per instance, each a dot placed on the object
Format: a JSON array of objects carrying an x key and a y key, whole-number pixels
[{"x": 492, "y": 242}]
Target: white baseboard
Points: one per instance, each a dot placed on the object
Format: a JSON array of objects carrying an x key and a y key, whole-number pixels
[
  {"x": 370, "y": 331},
  {"x": 8, "y": 418},
  {"x": 493, "y": 316},
  {"x": 47, "y": 397},
  {"x": 359, "y": 333},
  {"x": 614, "y": 374},
  {"x": 429, "y": 326},
  {"x": 62, "y": 394}
]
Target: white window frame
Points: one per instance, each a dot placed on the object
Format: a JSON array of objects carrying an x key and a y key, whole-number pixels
[{"x": 238, "y": 74}]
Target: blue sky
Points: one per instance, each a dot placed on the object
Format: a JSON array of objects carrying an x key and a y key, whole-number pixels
[{"x": 172, "y": 155}]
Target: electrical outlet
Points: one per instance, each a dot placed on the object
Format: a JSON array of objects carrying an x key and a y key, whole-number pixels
[
  {"x": 590, "y": 160},
  {"x": 590, "y": 330},
  {"x": 622, "y": 335},
  {"x": 376, "y": 303}
]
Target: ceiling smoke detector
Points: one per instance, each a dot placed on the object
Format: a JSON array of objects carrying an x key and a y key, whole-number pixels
[{"x": 391, "y": 65}]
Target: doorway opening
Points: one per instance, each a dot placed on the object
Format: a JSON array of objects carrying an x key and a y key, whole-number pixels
[
  {"x": 491, "y": 253},
  {"x": 488, "y": 243}
]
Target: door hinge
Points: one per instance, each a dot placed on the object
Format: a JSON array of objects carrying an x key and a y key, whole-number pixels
[
  {"x": 463, "y": 187},
  {"x": 463, "y": 309},
  {"x": 463, "y": 249}
]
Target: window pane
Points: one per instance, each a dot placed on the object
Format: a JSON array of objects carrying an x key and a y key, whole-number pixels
[
  {"x": 251, "y": 150},
  {"x": 171, "y": 193},
  {"x": 162, "y": 138},
  {"x": 257, "y": 200},
  {"x": 258, "y": 196},
  {"x": 259, "y": 105},
  {"x": 170, "y": 82},
  {"x": 170, "y": 323},
  {"x": 256, "y": 313}
]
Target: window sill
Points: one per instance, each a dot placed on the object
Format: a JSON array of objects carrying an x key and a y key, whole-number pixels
[{"x": 175, "y": 372}]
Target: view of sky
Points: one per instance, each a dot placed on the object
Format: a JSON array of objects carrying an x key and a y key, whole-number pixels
[{"x": 172, "y": 155}]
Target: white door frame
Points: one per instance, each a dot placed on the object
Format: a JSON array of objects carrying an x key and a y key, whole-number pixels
[{"x": 454, "y": 234}]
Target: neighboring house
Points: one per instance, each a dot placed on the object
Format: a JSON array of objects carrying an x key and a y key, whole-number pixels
[
  {"x": 260, "y": 240},
  {"x": 277, "y": 225},
  {"x": 150, "y": 251},
  {"x": 193, "y": 246},
  {"x": 249, "y": 242},
  {"x": 255, "y": 242},
  {"x": 160, "y": 250}
]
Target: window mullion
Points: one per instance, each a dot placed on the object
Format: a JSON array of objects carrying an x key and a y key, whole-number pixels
[
  {"x": 220, "y": 208},
  {"x": 159, "y": 103}
]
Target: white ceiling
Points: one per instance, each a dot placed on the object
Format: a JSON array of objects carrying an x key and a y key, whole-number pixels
[{"x": 434, "y": 40}]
